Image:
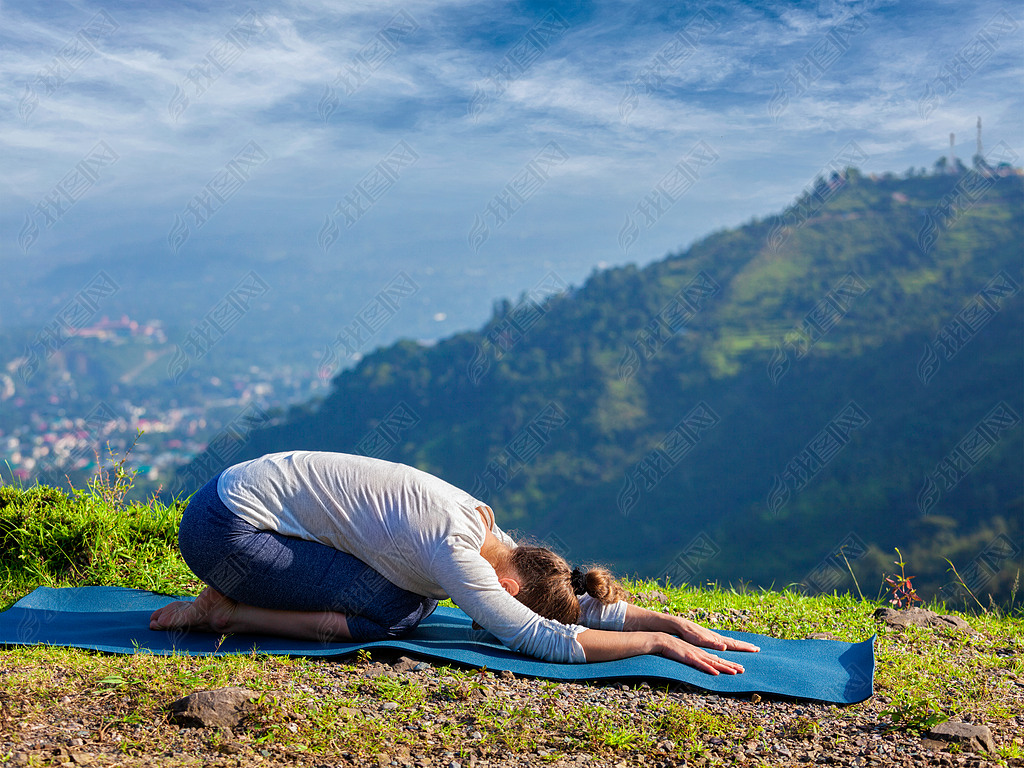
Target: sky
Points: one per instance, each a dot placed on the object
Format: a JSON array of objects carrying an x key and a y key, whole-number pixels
[{"x": 472, "y": 147}]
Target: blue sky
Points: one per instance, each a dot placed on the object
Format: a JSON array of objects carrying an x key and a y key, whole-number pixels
[{"x": 431, "y": 114}]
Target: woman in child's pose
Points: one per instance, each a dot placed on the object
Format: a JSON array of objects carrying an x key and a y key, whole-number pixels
[{"x": 329, "y": 546}]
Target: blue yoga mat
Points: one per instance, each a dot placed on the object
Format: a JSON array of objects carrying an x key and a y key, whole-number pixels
[{"x": 116, "y": 620}]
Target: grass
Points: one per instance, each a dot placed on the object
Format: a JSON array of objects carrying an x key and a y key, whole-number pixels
[
  {"x": 57, "y": 539},
  {"x": 50, "y": 538}
]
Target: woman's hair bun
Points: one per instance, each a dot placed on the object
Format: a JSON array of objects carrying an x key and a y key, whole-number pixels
[{"x": 601, "y": 585}]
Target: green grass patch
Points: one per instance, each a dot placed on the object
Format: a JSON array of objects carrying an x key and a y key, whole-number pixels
[
  {"x": 51, "y": 538},
  {"x": 66, "y": 539}
]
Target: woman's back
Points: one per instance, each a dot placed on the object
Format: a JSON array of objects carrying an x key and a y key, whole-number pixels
[{"x": 391, "y": 516}]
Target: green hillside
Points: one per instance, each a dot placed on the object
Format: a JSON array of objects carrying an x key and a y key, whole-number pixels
[{"x": 845, "y": 376}]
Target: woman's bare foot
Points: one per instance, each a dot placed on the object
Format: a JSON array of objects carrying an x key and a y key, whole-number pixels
[
  {"x": 210, "y": 612},
  {"x": 213, "y": 612}
]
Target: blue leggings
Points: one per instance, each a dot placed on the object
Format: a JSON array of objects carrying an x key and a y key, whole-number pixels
[{"x": 268, "y": 570}]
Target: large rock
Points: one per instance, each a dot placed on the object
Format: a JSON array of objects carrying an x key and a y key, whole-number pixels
[
  {"x": 224, "y": 707},
  {"x": 976, "y": 738},
  {"x": 920, "y": 617}
]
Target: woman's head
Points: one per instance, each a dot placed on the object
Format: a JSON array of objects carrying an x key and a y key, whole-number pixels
[{"x": 547, "y": 584}]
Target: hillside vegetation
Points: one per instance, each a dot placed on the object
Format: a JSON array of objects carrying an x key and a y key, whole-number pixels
[{"x": 776, "y": 403}]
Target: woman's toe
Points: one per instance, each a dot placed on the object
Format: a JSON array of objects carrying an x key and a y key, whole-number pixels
[{"x": 163, "y": 618}]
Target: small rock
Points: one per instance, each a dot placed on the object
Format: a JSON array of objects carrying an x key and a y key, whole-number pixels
[
  {"x": 405, "y": 664},
  {"x": 507, "y": 674},
  {"x": 389, "y": 706},
  {"x": 222, "y": 706},
  {"x": 976, "y": 738},
  {"x": 80, "y": 758},
  {"x": 955, "y": 621},
  {"x": 920, "y": 617},
  {"x": 822, "y": 636}
]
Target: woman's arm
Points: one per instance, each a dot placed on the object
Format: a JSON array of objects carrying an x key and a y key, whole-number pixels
[
  {"x": 601, "y": 645},
  {"x": 643, "y": 620}
]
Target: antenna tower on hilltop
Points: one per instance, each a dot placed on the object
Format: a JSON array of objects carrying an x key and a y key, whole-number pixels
[
  {"x": 952, "y": 153},
  {"x": 980, "y": 153}
]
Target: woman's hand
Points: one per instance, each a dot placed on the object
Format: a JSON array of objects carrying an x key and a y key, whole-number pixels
[
  {"x": 602, "y": 645},
  {"x": 641, "y": 619},
  {"x": 706, "y": 638},
  {"x": 677, "y": 649}
]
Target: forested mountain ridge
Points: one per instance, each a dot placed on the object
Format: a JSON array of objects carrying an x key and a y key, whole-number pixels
[{"x": 741, "y": 410}]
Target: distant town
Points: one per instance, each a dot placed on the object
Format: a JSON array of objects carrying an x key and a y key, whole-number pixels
[{"x": 105, "y": 393}]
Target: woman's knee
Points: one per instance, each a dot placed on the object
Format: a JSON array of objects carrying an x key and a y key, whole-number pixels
[
  {"x": 411, "y": 620},
  {"x": 392, "y": 627}
]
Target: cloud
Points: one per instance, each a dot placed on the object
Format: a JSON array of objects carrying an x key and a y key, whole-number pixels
[{"x": 142, "y": 90}]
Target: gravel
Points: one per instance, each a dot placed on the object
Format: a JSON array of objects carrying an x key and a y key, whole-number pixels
[{"x": 457, "y": 722}]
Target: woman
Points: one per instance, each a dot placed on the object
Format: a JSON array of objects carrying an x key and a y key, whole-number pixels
[{"x": 329, "y": 546}]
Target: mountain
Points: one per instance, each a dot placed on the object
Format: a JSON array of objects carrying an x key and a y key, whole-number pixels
[{"x": 777, "y": 404}]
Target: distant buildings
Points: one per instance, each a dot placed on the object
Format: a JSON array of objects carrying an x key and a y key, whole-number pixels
[{"x": 109, "y": 330}]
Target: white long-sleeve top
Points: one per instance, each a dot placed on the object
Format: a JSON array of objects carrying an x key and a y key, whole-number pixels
[{"x": 418, "y": 531}]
